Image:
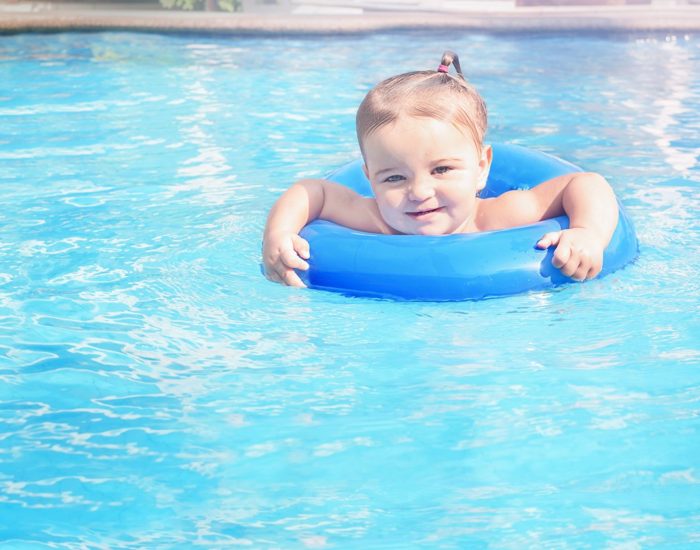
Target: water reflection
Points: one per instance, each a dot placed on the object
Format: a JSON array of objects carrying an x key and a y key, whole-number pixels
[{"x": 678, "y": 90}]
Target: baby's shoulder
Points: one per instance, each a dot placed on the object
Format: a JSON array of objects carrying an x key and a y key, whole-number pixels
[
  {"x": 507, "y": 210},
  {"x": 346, "y": 207}
]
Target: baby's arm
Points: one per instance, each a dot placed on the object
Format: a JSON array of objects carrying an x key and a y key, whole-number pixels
[
  {"x": 307, "y": 200},
  {"x": 589, "y": 202}
]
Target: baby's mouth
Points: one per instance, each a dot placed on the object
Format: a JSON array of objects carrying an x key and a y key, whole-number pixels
[{"x": 422, "y": 213}]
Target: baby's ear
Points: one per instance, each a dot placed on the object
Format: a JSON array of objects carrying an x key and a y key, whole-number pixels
[{"x": 484, "y": 166}]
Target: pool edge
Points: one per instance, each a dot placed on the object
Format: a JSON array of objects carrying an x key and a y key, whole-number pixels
[{"x": 678, "y": 19}]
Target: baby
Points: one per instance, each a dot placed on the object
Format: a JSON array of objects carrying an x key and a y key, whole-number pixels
[{"x": 421, "y": 135}]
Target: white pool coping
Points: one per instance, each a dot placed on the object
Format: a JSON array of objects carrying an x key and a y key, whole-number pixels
[{"x": 41, "y": 17}]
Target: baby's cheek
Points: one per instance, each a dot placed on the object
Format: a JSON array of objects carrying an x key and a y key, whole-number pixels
[
  {"x": 388, "y": 213},
  {"x": 388, "y": 203},
  {"x": 391, "y": 216}
]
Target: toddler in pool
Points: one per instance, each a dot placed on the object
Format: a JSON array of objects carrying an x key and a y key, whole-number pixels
[{"x": 421, "y": 137}]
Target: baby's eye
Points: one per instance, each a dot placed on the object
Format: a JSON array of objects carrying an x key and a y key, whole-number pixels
[
  {"x": 394, "y": 178},
  {"x": 442, "y": 169}
]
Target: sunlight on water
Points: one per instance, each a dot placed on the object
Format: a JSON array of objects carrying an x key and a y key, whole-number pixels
[{"x": 156, "y": 391}]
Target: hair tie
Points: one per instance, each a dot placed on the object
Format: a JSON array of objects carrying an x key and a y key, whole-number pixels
[{"x": 452, "y": 59}]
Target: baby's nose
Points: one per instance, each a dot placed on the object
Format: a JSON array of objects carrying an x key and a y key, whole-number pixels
[{"x": 421, "y": 189}]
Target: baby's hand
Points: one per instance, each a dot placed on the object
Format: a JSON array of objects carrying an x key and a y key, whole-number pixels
[
  {"x": 578, "y": 253},
  {"x": 282, "y": 254}
]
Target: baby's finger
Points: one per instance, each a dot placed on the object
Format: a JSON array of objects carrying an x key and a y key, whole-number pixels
[
  {"x": 581, "y": 272},
  {"x": 549, "y": 239},
  {"x": 595, "y": 269},
  {"x": 272, "y": 275},
  {"x": 292, "y": 279},
  {"x": 570, "y": 268},
  {"x": 572, "y": 264},
  {"x": 301, "y": 246},
  {"x": 578, "y": 265},
  {"x": 562, "y": 256},
  {"x": 291, "y": 260}
]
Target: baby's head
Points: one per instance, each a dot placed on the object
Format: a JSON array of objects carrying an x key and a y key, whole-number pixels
[
  {"x": 421, "y": 136},
  {"x": 425, "y": 94}
]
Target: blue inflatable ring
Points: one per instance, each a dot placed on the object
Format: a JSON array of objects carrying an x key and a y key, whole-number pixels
[{"x": 452, "y": 267}]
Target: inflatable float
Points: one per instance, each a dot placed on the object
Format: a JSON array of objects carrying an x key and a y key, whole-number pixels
[{"x": 452, "y": 267}]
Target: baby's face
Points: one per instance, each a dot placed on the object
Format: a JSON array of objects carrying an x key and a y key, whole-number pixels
[{"x": 425, "y": 174}]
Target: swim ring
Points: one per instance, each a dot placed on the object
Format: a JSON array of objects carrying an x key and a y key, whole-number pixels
[{"x": 452, "y": 267}]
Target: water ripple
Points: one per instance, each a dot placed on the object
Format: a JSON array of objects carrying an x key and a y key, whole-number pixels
[{"x": 151, "y": 377}]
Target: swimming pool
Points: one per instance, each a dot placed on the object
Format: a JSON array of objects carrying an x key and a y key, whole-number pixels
[{"x": 156, "y": 391}]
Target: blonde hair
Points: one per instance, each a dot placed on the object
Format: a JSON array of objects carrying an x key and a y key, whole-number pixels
[{"x": 430, "y": 94}]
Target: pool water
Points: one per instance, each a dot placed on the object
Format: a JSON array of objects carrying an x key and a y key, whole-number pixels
[{"x": 157, "y": 392}]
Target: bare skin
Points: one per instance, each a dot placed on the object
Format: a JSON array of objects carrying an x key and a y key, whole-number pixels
[{"x": 425, "y": 174}]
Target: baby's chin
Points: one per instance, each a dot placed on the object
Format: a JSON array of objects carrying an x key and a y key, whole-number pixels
[
  {"x": 426, "y": 230},
  {"x": 430, "y": 231},
  {"x": 437, "y": 226}
]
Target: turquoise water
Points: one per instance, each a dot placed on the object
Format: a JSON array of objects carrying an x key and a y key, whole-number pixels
[{"x": 157, "y": 392}]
